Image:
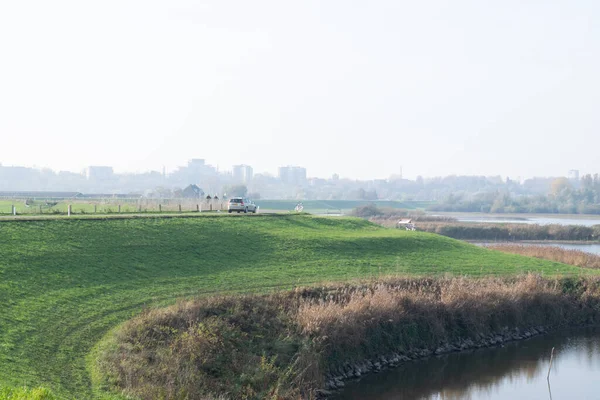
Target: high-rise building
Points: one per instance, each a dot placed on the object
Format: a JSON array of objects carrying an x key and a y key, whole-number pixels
[
  {"x": 243, "y": 173},
  {"x": 292, "y": 175}
]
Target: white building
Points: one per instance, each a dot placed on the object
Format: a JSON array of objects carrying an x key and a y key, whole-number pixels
[
  {"x": 243, "y": 173},
  {"x": 292, "y": 175}
]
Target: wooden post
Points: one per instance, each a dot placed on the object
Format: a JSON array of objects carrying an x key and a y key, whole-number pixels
[
  {"x": 159, "y": 208},
  {"x": 197, "y": 208},
  {"x": 14, "y": 210},
  {"x": 41, "y": 209},
  {"x": 179, "y": 207},
  {"x": 119, "y": 208},
  {"x": 69, "y": 210},
  {"x": 95, "y": 208}
]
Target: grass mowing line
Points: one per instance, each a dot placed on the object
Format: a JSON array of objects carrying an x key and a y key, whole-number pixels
[{"x": 60, "y": 276}]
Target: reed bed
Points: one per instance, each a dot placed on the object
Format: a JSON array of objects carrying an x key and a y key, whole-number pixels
[
  {"x": 553, "y": 253},
  {"x": 282, "y": 346}
]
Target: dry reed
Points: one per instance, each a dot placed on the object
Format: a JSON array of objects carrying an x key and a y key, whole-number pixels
[
  {"x": 572, "y": 257},
  {"x": 283, "y": 345}
]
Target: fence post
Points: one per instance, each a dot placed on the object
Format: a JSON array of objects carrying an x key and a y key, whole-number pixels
[
  {"x": 14, "y": 210},
  {"x": 69, "y": 210},
  {"x": 95, "y": 208},
  {"x": 119, "y": 208},
  {"x": 41, "y": 209},
  {"x": 197, "y": 208},
  {"x": 159, "y": 208},
  {"x": 179, "y": 207}
]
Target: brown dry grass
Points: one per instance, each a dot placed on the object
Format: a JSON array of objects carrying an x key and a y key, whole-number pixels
[
  {"x": 282, "y": 345},
  {"x": 552, "y": 253}
]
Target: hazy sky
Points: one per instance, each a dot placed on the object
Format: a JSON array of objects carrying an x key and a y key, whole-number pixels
[{"x": 360, "y": 88}]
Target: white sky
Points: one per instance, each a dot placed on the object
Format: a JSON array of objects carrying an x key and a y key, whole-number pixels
[{"x": 355, "y": 87}]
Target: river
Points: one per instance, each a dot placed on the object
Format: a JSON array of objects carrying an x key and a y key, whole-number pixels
[{"x": 516, "y": 371}]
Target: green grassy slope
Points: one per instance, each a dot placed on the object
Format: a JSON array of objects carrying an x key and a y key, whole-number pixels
[{"x": 65, "y": 283}]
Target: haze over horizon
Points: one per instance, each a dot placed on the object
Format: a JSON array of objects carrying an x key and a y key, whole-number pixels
[{"x": 438, "y": 88}]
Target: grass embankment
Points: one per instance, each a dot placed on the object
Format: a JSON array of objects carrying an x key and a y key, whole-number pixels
[
  {"x": 284, "y": 345},
  {"x": 65, "y": 283},
  {"x": 572, "y": 257}
]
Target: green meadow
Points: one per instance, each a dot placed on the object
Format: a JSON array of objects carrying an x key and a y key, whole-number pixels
[
  {"x": 112, "y": 206},
  {"x": 65, "y": 283},
  {"x": 343, "y": 206}
]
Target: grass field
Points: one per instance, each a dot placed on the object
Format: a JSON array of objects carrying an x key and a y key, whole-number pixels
[
  {"x": 333, "y": 206},
  {"x": 111, "y": 206},
  {"x": 107, "y": 206},
  {"x": 65, "y": 283}
]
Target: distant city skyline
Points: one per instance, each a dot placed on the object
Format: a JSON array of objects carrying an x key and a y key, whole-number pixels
[
  {"x": 358, "y": 89},
  {"x": 276, "y": 173}
]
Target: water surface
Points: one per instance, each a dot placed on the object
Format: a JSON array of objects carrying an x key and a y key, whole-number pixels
[{"x": 516, "y": 371}]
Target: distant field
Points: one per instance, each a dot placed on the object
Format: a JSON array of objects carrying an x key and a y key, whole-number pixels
[
  {"x": 333, "y": 206},
  {"x": 65, "y": 283},
  {"x": 112, "y": 206},
  {"x": 107, "y": 206}
]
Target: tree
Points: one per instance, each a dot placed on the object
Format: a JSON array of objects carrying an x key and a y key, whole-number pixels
[{"x": 559, "y": 185}]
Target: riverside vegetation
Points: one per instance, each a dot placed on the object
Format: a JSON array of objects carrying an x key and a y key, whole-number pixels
[
  {"x": 451, "y": 227},
  {"x": 566, "y": 256},
  {"x": 287, "y": 345},
  {"x": 65, "y": 283},
  {"x": 512, "y": 232}
]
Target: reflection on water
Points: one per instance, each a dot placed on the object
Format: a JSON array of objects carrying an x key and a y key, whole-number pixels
[{"x": 516, "y": 371}]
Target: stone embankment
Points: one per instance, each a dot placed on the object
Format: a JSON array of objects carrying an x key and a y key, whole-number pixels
[{"x": 336, "y": 380}]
